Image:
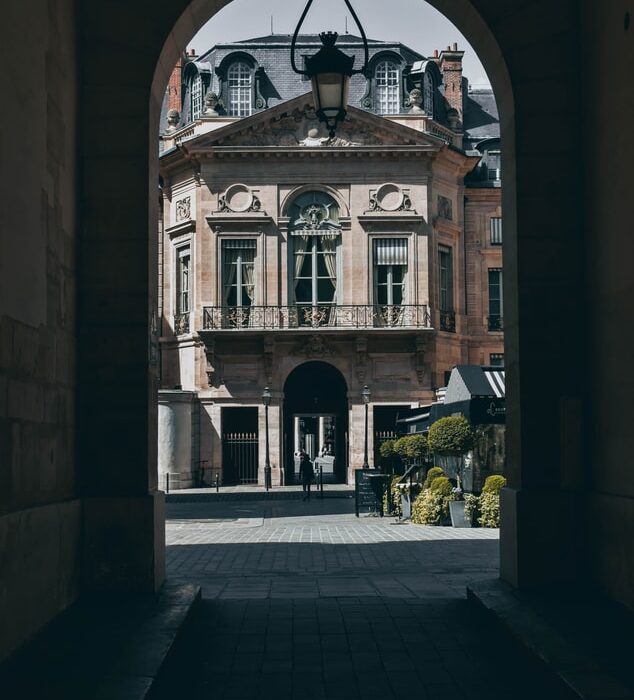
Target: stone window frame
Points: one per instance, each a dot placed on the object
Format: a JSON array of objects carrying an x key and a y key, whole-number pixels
[
  {"x": 410, "y": 297},
  {"x": 179, "y": 248}
]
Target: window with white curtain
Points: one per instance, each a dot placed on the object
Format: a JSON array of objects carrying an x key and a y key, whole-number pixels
[
  {"x": 183, "y": 258},
  {"x": 239, "y": 81},
  {"x": 196, "y": 97},
  {"x": 238, "y": 272},
  {"x": 390, "y": 270},
  {"x": 386, "y": 77}
]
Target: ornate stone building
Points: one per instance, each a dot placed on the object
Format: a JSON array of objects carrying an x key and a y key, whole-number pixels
[{"x": 314, "y": 265}]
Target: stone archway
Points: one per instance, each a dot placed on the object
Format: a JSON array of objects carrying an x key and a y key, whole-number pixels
[{"x": 542, "y": 258}]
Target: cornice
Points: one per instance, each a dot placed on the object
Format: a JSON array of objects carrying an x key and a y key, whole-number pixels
[{"x": 180, "y": 228}]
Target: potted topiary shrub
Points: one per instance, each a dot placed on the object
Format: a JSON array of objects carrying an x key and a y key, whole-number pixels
[
  {"x": 453, "y": 435},
  {"x": 412, "y": 450},
  {"x": 489, "y": 501},
  {"x": 431, "y": 505}
]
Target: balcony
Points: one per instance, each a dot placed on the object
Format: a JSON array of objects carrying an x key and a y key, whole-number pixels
[
  {"x": 448, "y": 321},
  {"x": 496, "y": 323},
  {"x": 324, "y": 316}
]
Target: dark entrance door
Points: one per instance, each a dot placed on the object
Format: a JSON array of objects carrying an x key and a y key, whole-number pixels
[
  {"x": 240, "y": 445},
  {"x": 316, "y": 417}
]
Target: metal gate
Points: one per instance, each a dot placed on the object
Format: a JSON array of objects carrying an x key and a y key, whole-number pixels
[
  {"x": 240, "y": 458},
  {"x": 381, "y": 436}
]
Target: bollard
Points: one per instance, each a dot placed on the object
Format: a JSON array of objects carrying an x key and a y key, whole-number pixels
[
  {"x": 167, "y": 482},
  {"x": 217, "y": 482},
  {"x": 321, "y": 480}
]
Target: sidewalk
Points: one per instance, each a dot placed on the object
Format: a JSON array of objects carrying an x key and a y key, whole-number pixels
[{"x": 256, "y": 492}]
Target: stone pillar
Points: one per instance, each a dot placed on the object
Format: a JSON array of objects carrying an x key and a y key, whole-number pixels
[{"x": 175, "y": 440}]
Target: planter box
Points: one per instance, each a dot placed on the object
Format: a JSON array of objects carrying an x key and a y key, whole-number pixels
[{"x": 456, "y": 511}]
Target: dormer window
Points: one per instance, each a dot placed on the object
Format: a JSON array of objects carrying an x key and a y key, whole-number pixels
[
  {"x": 196, "y": 97},
  {"x": 428, "y": 94},
  {"x": 240, "y": 83},
  {"x": 387, "y": 89}
]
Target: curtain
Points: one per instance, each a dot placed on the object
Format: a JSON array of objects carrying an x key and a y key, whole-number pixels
[
  {"x": 229, "y": 258},
  {"x": 300, "y": 244},
  {"x": 329, "y": 246},
  {"x": 248, "y": 274}
]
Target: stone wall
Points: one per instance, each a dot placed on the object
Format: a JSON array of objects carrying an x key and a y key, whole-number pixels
[
  {"x": 609, "y": 473},
  {"x": 39, "y": 510}
]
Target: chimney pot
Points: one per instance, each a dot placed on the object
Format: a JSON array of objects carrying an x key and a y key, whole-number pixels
[
  {"x": 455, "y": 46},
  {"x": 435, "y": 53},
  {"x": 449, "y": 48}
]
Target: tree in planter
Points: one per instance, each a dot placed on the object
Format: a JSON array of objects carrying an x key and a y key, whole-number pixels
[
  {"x": 452, "y": 435},
  {"x": 489, "y": 501},
  {"x": 392, "y": 498},
  {"x": 412, "y": 449},
  {"x": 386, "y": 451}
]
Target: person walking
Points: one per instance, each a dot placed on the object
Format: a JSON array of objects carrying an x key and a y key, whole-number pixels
[{"x": 306, "y": 474}]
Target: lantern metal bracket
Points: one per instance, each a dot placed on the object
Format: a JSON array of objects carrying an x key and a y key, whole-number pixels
[{"x": 358, "y": 23}]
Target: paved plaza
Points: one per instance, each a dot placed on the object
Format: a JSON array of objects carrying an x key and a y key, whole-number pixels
[{"x": 304, "y": 600}]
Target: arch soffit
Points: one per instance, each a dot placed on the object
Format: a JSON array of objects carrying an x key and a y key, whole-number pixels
[
  {"x": 344, "y": 211},
  {"x": 337, "y": 363}
]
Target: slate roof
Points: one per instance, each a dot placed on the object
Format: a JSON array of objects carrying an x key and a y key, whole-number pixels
[{"x": 481, "y": 118}]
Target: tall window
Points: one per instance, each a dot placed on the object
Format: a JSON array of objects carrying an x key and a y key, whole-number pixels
[
  {"x": 182, "y": 281},
  {"x": 196, "y": 97},
  {"x": 386, "y": 78},
  {"x": 390, "y": 270},
  {"x": 445, "y": 276},
  {"x": 495, "y": 300},
  {"x": 445, "y": 284},
  {"x": 315, "y": 234},
  {"x": 428, "y": 94},
  {"x": 496, "y": 230},
  {"x": 315, "y": 269},
  {"x": 239, "y": 79},
  {"x": 238, "y": 272}
]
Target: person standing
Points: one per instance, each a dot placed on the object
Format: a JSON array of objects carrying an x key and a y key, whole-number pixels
[{"x": 306, "y": 474}]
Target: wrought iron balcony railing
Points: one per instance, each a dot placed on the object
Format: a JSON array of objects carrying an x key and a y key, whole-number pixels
[
  {"x": 447, "y": 321},
  {"x": 181, "y": 324},
  {"x": 496, "y": 323},
  {"x": 322, "y": 316}
]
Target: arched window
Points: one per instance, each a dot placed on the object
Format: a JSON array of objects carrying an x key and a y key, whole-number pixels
[
  {"x": 196, "y": 97},
  {"x": 428, "y": 94},
  {"x": 386, "y": 76},
  {"x": 315, "y": 235},
  {"x": 240, "y": 81}
]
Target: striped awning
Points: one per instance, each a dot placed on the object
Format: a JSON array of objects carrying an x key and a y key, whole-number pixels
[
  {"x": 239, "y": 244},
  {"x": 495, "y": 377},
  {"x": 323, "y": 232},
  {"x": 390, "y": 251}
]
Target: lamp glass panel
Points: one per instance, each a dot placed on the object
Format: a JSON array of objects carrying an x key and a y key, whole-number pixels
[{"x": 329, "y": 93}]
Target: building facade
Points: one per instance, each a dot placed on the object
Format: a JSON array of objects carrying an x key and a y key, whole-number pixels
[{"x": 318, "y": 266}]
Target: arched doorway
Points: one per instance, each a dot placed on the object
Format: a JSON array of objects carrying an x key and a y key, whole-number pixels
[{"x": 316, "y": 419}]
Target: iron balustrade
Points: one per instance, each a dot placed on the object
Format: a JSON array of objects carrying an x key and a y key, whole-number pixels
[
  {"x": 181, "y": 324},
  {"x": 448, "y": 321},
  {"x": 320, "y": 316},
  {"x": 496, "y": 323}
]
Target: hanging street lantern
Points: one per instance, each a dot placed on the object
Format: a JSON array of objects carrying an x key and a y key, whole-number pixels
[{"x": 330, "y": 70}]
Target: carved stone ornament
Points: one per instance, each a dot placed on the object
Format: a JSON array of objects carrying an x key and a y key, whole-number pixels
[
  {"x": 445, "y": 208},
  {"x": 390, "y": 197},
  {"x": 173, "y": 119},
  {"x": 415, "y": 100},
  {"x": 210, "y": 356},
  {"x": 211, "y": 102},
  {"x": 361, "y": 364},
  {"x": 240, "y": 199},
  {"x": 183, "y": 209},
  {"x": 314, "y": 346},
  {"x": 269, "y": 350},
  {"x": 419, "y": 361},
  {"x": 301, "y": 128}
]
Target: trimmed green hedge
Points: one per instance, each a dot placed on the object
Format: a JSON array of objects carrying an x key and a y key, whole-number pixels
[{"x": 451, "y": 435}]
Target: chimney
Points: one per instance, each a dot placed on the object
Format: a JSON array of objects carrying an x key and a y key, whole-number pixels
[
  {"x": 174, "y": 99},
  {"x": 451, "y": 70}
]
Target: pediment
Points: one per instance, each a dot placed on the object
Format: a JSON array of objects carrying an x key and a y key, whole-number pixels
[{"x": 294, "y": 125}]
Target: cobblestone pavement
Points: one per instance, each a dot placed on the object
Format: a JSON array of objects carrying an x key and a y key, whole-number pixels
[{"x": 303, "y": 600}]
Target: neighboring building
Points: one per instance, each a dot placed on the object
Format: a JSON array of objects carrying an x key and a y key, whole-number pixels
[{"x": 316, "y": 266}]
